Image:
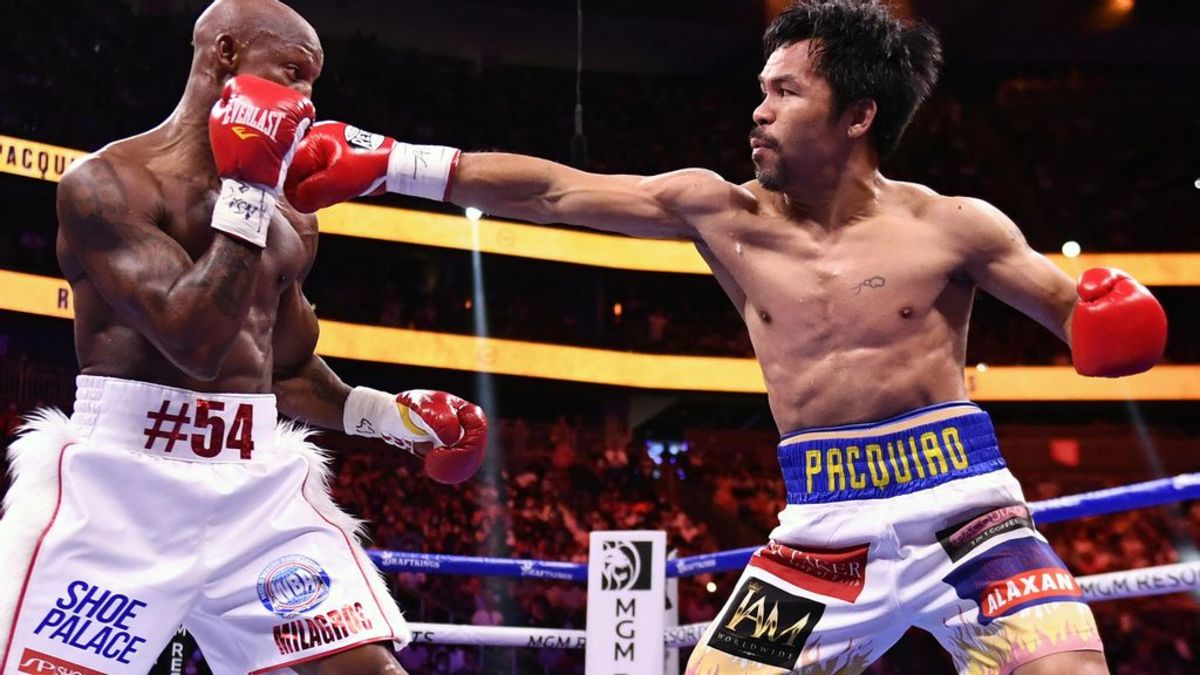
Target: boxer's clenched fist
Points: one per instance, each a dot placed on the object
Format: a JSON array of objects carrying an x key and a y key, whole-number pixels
[
  {"x": 337, "y": 162},
  {"x": 449, "y": 433}
]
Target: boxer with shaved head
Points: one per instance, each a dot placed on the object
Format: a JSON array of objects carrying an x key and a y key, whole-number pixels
[{"x": 172, "y": 496}]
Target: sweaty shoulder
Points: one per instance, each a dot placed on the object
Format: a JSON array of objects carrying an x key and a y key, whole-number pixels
[
  {"x": 974, "y": 224},
  {"x": 108, "y": 179},
  {"x": 697, "y": 192}
]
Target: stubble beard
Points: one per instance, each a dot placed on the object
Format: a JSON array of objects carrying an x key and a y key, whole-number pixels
[{"x": 773, "y": 177}]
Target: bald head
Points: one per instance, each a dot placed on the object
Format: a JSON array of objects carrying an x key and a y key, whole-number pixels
[
  {"x": 250, "y": 20},
  {"x": 257, "y": 37}
]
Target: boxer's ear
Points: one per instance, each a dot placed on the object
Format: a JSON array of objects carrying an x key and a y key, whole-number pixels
[
  {"x": 860, "y": 115},
  {"x": 225, "y": 55}
]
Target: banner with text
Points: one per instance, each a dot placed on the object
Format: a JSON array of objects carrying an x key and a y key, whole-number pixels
[{"x": 626, "y": 602}]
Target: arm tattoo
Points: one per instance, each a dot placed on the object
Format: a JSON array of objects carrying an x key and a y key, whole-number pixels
[
  {"x": 870, "y": 282},
  {"x": 325, "y": 388},
  {"x": 233, "y": 272}
]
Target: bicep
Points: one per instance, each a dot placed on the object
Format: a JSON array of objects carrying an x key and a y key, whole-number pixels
[
  {"x": 296, "y": 330},
  {"x": 305, "y": 386},
  {"x": 1004, "y": 266}
]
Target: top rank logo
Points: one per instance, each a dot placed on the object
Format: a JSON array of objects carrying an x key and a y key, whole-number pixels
[{"x": 626, "y": 566}]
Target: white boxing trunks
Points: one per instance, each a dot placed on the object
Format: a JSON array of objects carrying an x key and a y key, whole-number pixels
[
  {"x": 909, "y": 521},
  {"x": 154, "y": 507}
]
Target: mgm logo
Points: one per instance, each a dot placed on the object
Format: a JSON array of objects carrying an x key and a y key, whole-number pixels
[
  {"x": 766, "y": 624},
  {"x": 626, "y": 566}
]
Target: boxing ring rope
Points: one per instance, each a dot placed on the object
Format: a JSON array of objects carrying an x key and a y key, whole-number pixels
[{"x": 1146, "y": 581}]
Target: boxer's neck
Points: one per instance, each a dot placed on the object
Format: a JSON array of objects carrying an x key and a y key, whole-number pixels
[
  {"x": 184, "y": 134},
  {"x": 837, "y": 197}
]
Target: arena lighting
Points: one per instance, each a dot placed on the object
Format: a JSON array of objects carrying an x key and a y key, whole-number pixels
[
  {"x": 710, "y": 587},
  {"x": 1153, "y": 461},
  {"x": 47, "y": 162},
  {"x": 473, "y": 214},
  {"x": 485, "y": 390},
  {"x": 981, "y": 367},
  {"x": 1071, "y": 249},
  {"x": 48, "y": 296}
]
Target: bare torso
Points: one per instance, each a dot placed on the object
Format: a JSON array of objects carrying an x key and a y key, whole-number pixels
[
  {"x": 849, "y": 324},
  {"x": 179, "y": 202}
]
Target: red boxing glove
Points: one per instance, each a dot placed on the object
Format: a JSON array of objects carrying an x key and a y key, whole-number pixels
[
  {"x": 417, "y": 419},
  {"x": 460, "y": 428},
  {"x": 254, "y": 129},
  {"x": 1118, "y": 328},
  {"x": 337, "y": 162}
]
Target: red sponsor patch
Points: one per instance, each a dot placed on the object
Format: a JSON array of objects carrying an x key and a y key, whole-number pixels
[
  {"x": 36, "y": 662},
  {"x": 836, "y": 572},
  {"x": 1008, "y": 594}
]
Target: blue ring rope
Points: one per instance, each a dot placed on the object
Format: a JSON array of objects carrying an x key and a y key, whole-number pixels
[{"x": 1127, "y": 497}]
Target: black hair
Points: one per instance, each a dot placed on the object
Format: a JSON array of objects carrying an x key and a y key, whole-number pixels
[{"x": 863, "y": 52}]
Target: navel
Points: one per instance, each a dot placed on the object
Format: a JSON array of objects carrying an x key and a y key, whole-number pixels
[
  {"x": 762, "y": 314},
  {"x": 906, "y": 312}
]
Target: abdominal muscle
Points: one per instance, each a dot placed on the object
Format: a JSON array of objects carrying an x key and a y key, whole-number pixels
[{"x": 858, "y": 384}]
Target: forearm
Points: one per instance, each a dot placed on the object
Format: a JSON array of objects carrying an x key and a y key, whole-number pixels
[
  {"x": 539, "y": 191},
  {"x": 510, "y": 186},
  {"x": 205, "y": 309},
  {"x": 312, "y": 393},
  {"x": 337, "y": 162}
]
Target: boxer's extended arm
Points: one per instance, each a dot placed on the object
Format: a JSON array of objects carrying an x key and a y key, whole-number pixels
[
  {"x": 337, "y": 162},
  {"x": 1001, "y": 262},
  {"x": 191, "y": 311},
  {"x": 540, "y": 191},
  {"x": 1114, "y": 325}
]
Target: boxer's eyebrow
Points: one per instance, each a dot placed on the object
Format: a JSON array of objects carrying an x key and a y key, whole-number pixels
[{"x": 779, "y": 79}]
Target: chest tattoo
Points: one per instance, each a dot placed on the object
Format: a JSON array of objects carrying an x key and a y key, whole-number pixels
[{"x": 870, "y": 282}]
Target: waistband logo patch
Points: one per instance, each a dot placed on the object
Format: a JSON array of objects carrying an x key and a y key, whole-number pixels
[{"x": 899, "y": 461}]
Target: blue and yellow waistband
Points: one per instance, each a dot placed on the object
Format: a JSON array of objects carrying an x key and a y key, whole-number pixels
[{"x": 915, "y": 451}]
